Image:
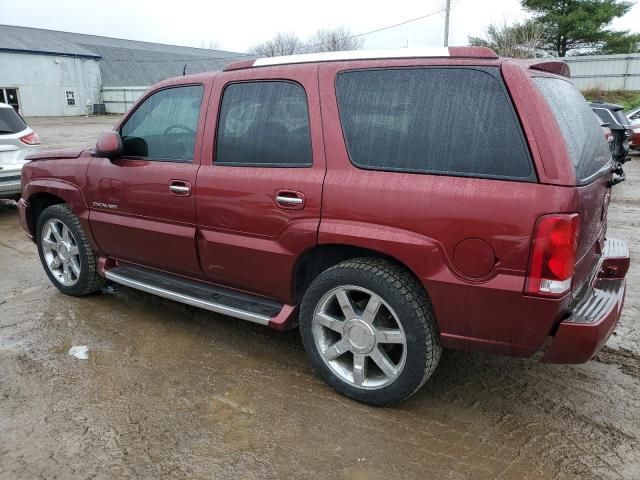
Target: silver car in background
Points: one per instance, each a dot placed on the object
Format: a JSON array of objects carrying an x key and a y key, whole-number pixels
[{"x": 17, "y": 141}]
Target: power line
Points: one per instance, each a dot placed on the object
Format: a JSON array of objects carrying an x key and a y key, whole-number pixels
[
  {"x": 398, "y": 24},
  {"x": 244, "y": 55}
]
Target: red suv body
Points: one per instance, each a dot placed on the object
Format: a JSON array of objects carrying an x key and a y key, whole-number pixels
[{"x": 250, "y": 191}]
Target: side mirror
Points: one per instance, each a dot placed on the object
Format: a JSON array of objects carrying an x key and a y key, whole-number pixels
[{"x": 109, "y": 145}]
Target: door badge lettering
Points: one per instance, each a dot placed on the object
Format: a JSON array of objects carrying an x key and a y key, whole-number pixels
[{"x": 108, "y": 206}]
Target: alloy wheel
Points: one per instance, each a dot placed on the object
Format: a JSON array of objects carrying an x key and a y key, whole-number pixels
[
  {"x": 359, "y": 337},
  {"x": 61, "y": 252}
]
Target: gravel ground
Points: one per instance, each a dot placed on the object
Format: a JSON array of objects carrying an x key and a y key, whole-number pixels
[{"x": 173, "y": 392}]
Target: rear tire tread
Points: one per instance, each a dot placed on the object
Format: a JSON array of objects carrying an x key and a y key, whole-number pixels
[{"x": 394, "y": 276}]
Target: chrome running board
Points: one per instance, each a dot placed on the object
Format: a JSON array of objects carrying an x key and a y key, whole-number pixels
[{"x": 197, "y": 294}]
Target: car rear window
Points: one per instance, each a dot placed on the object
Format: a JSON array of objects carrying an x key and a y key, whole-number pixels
[
  {"x": 450, "y": 121},
  {"x": 10, "y": 121},
  {"x": 580, "y": 128}
]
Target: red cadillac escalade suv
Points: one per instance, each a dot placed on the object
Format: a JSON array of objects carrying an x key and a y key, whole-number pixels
[{"x": 389, "y": 203}]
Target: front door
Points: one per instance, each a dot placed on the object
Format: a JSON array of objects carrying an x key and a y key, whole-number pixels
[
  {"x": 142, "y": 205},
  {"x": 259, "y": 201}
]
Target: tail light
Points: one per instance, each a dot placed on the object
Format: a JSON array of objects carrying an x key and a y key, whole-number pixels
[
  {"x": 553, "y": 255},
  {"x": 31, "y": 139}
]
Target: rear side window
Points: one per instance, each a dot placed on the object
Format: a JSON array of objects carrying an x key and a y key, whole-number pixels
[
  {"x": 580, "y": 128},
  {"x": 264, "y": 124},
  {"x": 455, "y": 121},
  {"x": 10, "y": 121},
  {"x": 164, "y": 126}
]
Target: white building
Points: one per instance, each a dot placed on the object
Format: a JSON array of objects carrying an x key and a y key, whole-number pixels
[{"x": 49, "y": 73}]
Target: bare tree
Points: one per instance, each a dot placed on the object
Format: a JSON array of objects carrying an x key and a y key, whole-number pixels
[
  {"x": 212, "y": 45},
  {"x": 334, "y": 40},
  {"x": 519, "y": 40},
  {"x": 322, "y": 41},
  {"x": 281, "y": 44}
]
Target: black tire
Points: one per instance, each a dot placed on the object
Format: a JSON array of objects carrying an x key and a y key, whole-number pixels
[
  {"x": 88, "y": 281},
  {"x": 405, "y": 295}
]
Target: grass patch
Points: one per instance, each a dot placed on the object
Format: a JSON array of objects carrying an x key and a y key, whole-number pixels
[{"x": 629, "y": 99}]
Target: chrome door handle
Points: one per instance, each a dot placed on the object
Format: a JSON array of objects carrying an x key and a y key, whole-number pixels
[
  {"x": 180, "y": 188},
  {"x": 289, "y": 200}
]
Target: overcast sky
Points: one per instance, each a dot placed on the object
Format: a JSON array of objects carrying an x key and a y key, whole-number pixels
[{"x": 237, "y": 25}]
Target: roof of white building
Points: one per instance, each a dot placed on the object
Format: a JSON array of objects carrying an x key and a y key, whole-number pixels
[{"x": 122, "y": 62}]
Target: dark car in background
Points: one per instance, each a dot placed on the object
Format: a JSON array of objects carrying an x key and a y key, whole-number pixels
[{"x": 612, "y": 116}]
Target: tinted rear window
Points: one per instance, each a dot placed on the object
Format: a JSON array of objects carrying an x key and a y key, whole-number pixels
[
  {"x": 456, "y": 121},
  {"x": 10, "y": 121},
  {"x": 264, "y": 124},
  {"x": 580, "y": 128}
]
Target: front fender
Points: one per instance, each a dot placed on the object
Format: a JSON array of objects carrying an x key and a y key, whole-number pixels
[{"x": 70, "y": 193}]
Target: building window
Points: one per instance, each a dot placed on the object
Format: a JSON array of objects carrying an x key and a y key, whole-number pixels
[{"x": 71, "y": 100}]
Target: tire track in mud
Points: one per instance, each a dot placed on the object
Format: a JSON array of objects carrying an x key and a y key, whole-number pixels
[{"x": 627, "y": 361}]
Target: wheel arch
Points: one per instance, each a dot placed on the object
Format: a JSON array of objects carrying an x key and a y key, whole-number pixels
[
  {"x": 37, "y": 204},
  {"x": 45, "y": 192},
  {"x": 319, "y": 258}
]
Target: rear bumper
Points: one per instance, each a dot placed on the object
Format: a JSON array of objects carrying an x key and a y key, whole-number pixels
[
  {"x": 10, "y": 188},
  {"x": 593, "y": 318}
]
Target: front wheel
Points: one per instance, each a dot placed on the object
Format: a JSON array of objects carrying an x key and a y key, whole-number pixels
[
  {"x": 65, "y": 252},
  {"x": 369, "y": 330}
]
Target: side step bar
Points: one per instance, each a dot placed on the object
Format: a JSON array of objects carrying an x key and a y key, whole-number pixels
[{"x": 199, "y": 294}]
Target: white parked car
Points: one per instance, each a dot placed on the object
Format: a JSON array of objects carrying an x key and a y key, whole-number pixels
[
  {"x": 634, "y": 116},
  {"x": 17, "y": 141}
]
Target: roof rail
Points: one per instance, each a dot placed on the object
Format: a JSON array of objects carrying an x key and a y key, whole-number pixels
[{"x": 454, "y": 52}]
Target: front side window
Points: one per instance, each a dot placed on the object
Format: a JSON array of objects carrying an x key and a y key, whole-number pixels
[
  {"x": 450, "y": 121},
  {"x": 164, "y": 126},
  {"x": 264, "y": 124}
]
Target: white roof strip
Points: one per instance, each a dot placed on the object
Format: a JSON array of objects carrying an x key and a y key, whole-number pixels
[{"x": 353, "y": 55}]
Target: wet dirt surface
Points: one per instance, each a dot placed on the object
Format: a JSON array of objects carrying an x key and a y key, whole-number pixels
[{"x": 173, "y": 392}]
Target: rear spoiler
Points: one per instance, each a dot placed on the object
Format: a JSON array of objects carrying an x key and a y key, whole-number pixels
[{"x": 552, "y": 66}]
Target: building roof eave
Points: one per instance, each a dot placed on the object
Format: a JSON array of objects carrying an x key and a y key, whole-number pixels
[{"x": 44, "y": 52}]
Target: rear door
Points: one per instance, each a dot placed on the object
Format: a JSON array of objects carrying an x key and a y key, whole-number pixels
[
  {"x": 591, "y": 158},
  {"x": 258, "y": 203},
  {"x": 142, "y": 206}
]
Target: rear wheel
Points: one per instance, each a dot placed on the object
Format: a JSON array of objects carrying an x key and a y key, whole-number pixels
[
  {"x": 369, "y": 330},
  {"x": 65, "y": 252}
]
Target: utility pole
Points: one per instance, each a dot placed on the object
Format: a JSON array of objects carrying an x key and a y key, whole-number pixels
[{"x": 446, "y": 23}]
